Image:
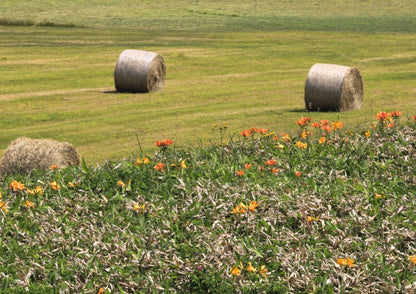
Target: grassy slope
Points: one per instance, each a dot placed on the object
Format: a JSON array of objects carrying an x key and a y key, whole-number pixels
[{"x": 58, "y": 80}]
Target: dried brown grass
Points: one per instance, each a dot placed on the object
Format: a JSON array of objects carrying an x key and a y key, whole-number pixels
[{"x": 26, "y": 154}]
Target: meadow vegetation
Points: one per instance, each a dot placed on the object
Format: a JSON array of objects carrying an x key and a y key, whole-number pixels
[
  {"x": 220, "y": 182},
  {"x": 323, "y": 210}
]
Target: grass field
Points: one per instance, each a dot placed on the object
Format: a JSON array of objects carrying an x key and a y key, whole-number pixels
[
  {"x": 241, "y": 64},
  {"x": 326, "y": 208}
]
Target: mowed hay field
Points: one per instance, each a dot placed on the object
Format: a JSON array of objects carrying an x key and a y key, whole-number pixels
[{"x": 233, "y": 62}]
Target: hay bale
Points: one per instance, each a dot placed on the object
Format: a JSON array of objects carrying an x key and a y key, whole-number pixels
[
  {"x": 139, "y": 71},
  {"x": 331, "y": 87},
  {"x": 25, "y": 154}
]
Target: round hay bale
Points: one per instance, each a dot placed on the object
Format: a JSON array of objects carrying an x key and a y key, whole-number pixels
[
  {"x": 331, "y": 87},
  {"x": 25, "y": 154},
  {"x": 139, "y": 71}
]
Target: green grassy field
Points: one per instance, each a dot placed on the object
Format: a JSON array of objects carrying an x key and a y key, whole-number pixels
[
  {"x": 263, "y": 214},
  {"x": 244, "y": 64}
]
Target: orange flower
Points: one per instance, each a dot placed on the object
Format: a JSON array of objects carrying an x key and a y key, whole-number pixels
[
  {"x": 271, "y": 162},
  {"x": 414, "y": 117},
  {"x": 322, "y": 140},
  {"x": 304, "y": 121},
  {"x": 304, "y": 134},
  {"x": 239, "y": 173},
  {"x": 246, "y": 133},
  {"x": 17, "y": 186},
  {"x": 316, "y": 125},
  {"x": 396, "y": 113},
  {"x": 240, "y": 209},
  {"x": 262, "y": 131},
  {"x": 53, "y": 166},
  {"x": 29, "y": 204},
  {"x": 412, "y": 259},
  {"x": 383, "y": 116},
  {"x": 285, "y": 137},
  {"x": 235, "y": 271},
  {"x": 252, "y": 206},
  {"x": 345, "y": 262},
  {"x": 310, "y": 219},
  {"x": 54, "y": 186},
  {"x": 368, "y": 134},
  {"x": 164, "y": 143},
  {"x": 298, "y": 173},
  {"x": 275, "y": 170},
  {"x": 3, "y": 206},
  {"x": 324, "y": 122},
  {"x": 100, "y": 291},
  {"x": 37, "y": 190},
  {"x": 247, "y": 166},
  {"x": 160, "y": 166},
  {"x": 263, "y": 270},
  {"x": 301, "y": 145},
  {"x": 326, "y": 128},
  {"x": 121, "y": 183},
  {"x": 251, "y": 268},
  {"x": 337, "y": 125}
]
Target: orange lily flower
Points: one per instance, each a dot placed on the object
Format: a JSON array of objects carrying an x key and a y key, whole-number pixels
[
  {"x": 252, "y": 206},
  {"x": 251, "y": 268},
  {"x": 17, "y": 186},
  {"x": 54, "y": 186}
]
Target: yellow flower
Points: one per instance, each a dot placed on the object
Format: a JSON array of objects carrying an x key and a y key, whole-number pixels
[
  {"x": 263, "y": 270},
  {"x": 379, "y": 196},
  {"x": 139, "y": 207},
  {"x": 29, "y": 204},
  {"x": 37, "y": 190},
  {"x": 183, "y": 164},
  {"x": 121, "y": 183},
  {"x": 346, "y": 262},
  {"x": 251, "y": 268},
  {"x": 3, "y": 206},
  {"x": 72, "y": 185},
  {"x": 235, "y": 271},
  {"x": 146, "y": 160},
  {"x": 368, "y": 134},
  {"x": 322, "y": 140},
  {"x": 54, "y": 186}
]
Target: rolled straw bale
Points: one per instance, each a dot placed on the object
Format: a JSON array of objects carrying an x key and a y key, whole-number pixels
[
  {"x": 331, "y": 87},
  {"x": 25, "y": 154},
  {"x": 139, "y": 71}
]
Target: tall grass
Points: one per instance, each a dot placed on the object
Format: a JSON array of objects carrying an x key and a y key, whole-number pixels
[{"x": 323, "y": 209}]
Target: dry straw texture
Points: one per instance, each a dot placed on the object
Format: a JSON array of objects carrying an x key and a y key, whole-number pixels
[
  {"x": 139, "y": 71},
  {"x": 331, "y": 87},
  {"x": 25, "y": 154}
]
